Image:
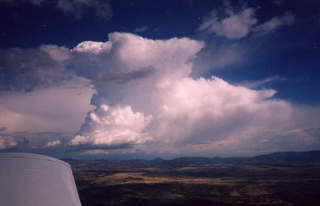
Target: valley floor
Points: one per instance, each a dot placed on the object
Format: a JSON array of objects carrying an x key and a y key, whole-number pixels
[{"x": 214, "y": 184}]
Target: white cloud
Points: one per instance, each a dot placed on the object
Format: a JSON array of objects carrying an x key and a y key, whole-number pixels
[
  {"x": 6, "y": 142},
  {"x": 146, "y": 97},
  {"x": 93, "y": 47},
  {"x": 38, "y": 93},
  {"x": 58, "y": 54},
  {"x": 130, "y": 57},
  {"x": 59, "y": 108},
  {"x": 259, "y": 83},
  {"x": 273, "y": 24},
  {"x": 53, "y": 143},
  {"x": 241, "y": 24},
  {"x": 234, "y": 26},
  {"x": 113, "y": 126},
  {"x": 217, "y": 57}
]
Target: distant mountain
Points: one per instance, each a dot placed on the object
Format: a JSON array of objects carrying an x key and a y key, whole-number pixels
[
  {"x": 310, "y": 156},
  {"x": 273, "y": 158}
]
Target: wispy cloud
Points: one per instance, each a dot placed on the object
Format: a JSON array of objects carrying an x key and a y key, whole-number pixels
[
  {"x": 275, "y": 23},
  {"x": 237, "y": 25},
  {"x": 76, "y": 8},
  {"x": 259, "y": 83},
  {"x": 140, "y": 30},
  {"x": 234, "y": 26}
]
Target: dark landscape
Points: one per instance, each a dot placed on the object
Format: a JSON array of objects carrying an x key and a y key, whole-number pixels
[{"x": 287, "y": 178}]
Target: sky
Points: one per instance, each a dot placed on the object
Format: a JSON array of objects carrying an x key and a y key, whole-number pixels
[{"x": 146, "y": 79}]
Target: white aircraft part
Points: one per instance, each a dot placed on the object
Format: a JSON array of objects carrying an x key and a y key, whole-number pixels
[{"x": 36, "y": 180}]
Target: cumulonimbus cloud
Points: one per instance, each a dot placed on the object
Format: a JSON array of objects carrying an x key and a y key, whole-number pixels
[
  {"x": 147, "y": 99},
  {"x": 166, "y": 106}
]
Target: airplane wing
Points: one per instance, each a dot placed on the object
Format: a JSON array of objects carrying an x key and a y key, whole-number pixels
[{"x": 36, "y": 180}]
